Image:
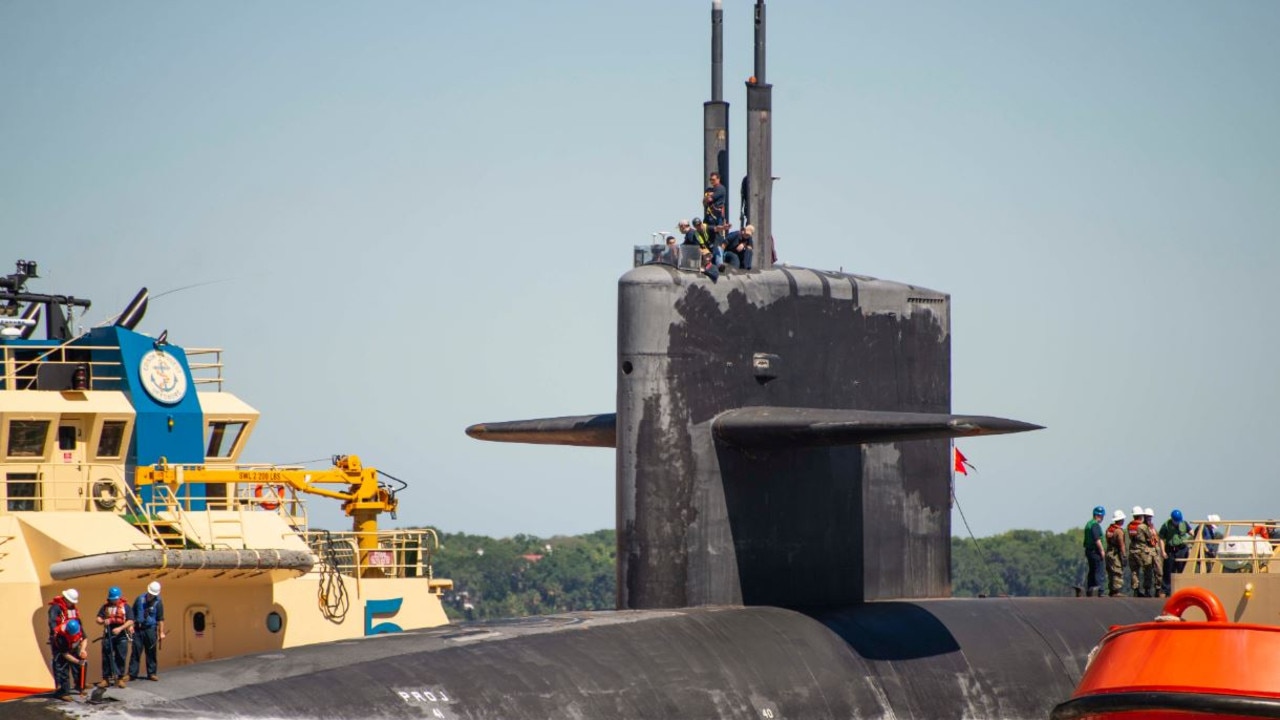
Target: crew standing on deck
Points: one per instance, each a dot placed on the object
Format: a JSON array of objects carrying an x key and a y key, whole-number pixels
[
  {"x": 1141, "y": 560},
  {"x": 1117, "y": 554},
  {"x": 148, "y": 623},
  {"x": 69, "y": 653},
  {"x": 116, "y": 618},
  {"x": 62, "y": 609},
  {"x": 1176, "y": 536},
  {"x": 1093, "y": 552},
  {"x": 1158, "y": 555}
]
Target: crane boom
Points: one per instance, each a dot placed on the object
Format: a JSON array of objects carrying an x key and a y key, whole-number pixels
[{"x": 363, "y": 498}]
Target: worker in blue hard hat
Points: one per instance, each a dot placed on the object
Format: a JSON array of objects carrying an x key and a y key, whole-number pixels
[
  {"x": 1176, "y": 536},
  {"x": 1094, "y": 552},
  {"x": 69, "y": 659},
  {"x": 116, "y": 618}
]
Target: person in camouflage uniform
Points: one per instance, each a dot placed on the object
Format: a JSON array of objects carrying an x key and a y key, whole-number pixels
[
  {"x": 1142, "y": 555},
  {"x": 1117, "y": 553}
]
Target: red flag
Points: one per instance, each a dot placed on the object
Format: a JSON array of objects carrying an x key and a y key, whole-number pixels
[{"x": 961, "y": 462}]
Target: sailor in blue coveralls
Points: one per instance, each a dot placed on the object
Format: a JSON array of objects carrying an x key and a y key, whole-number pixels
[
  {"x": 69, "y": 653},
  {"x": 148, "y": 627},
  {"x": 116, "y": 618}
]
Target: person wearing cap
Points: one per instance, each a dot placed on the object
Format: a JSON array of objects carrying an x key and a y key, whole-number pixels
[
  {"x": 63, "y": 608},
  {"x": 1093, "y": 552},
  {"x": 1117, "y": 554},
  {"x": 697, "y": 235},
  {"x": 69, "y": 652},
  {"x": 148, "y": 624},
  {"x": 1175, "y": 533},
  {"x": 116, "y": 618}
]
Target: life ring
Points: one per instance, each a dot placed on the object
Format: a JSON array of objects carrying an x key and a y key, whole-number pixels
[
  {"x": 1185, "y": 598},
  {"x": 105, "y": 494},
  {"x": 269, "y": 496}
]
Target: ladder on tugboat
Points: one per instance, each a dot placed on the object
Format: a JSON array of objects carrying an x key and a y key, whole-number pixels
[
  {"x": 164, "y": 532},
  {"x": 233, "y": 537}
]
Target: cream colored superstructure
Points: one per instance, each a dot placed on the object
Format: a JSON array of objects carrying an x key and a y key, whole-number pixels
[
  {"x": 240, "y": 574},
  {"x": 1248, "y": 583}
]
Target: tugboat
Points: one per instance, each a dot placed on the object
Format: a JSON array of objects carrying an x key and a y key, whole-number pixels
[
  {"x": 120, "y": 458},
  {"x": 1183, "y": 667}
]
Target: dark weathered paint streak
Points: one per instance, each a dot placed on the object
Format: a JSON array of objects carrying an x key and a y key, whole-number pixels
[{"x": 781, "y": 525}]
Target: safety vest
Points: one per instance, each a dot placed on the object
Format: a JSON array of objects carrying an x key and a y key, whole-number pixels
[
  {"x": 65, "y": 611},
  {"x": 1133, "y": 529},
  {"x": 63, "y": 641},
  {"x": 69, "y": 612},
  {"x": 116, "y": 613},
  {"x": 1115, "y": 537},
  {"x": 1177, "y": 532},
  {"x": 144, "y": 613}
]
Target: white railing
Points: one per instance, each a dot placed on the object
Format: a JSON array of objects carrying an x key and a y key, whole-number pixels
[{"x": 21, "y": 366}]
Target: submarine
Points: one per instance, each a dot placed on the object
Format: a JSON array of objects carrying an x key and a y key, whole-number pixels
[{"x": 783, "y": 466}]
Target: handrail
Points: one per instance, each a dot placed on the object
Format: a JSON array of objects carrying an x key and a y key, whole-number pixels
[
  {"x": 402, "y": 553},
  {"x": 1253, "y": 544},
  {"x": 104, "y": 374}
]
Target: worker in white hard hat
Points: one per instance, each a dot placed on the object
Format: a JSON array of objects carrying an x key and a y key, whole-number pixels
[
  {"x": 1150, "y": 516},
  {"x": 1117, "y": 553},
  {"x": 63, "y": 608},
  {"x": 148, "y": 626},
  {"x": 1143, "y": 544},
  {"x": 1209, "y": 531}
]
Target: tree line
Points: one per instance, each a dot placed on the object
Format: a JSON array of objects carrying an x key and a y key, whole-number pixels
[{"x": 528, "y": 575}]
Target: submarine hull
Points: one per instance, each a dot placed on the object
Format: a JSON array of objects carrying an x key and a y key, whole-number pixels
[{"x": 952, "y": 658}]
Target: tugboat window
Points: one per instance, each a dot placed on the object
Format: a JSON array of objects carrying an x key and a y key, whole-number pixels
[
  {"x": 23, "y": 492},
  {"x": 26, "y": 438},
  {"x": 197, "y": 622},
  {"x": 66, "y": 437},
  {"x": 223, "y": 436},
  {"x": 275, "y": 623},
  {"x": 111, "y": 439}
]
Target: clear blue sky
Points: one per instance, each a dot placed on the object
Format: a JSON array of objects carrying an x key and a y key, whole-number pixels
[{"x": 420, "y": 210}]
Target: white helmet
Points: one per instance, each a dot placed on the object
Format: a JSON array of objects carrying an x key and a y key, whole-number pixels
[
  {"x": 1149, "y": 513},
  {"x": 71, "y": 595},
  {"x": 153, "y": 588},
  {"x": 1214, "y": 519},
  {"x": 1137, "y": 510},
  {"x": 1118, "y": 516}
]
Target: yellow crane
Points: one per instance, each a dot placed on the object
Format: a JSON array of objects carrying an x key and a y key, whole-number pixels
[{"x": 363, "y": 499}]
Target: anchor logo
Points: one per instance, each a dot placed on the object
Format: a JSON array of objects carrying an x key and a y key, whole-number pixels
[{"x": 162, "y": 377}]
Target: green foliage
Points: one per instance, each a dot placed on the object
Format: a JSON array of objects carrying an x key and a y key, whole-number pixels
[
  {"x": 519, "y": 576},
  {"x": 526, "y": 575},
  {"x": 1019, "y": 563}
]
